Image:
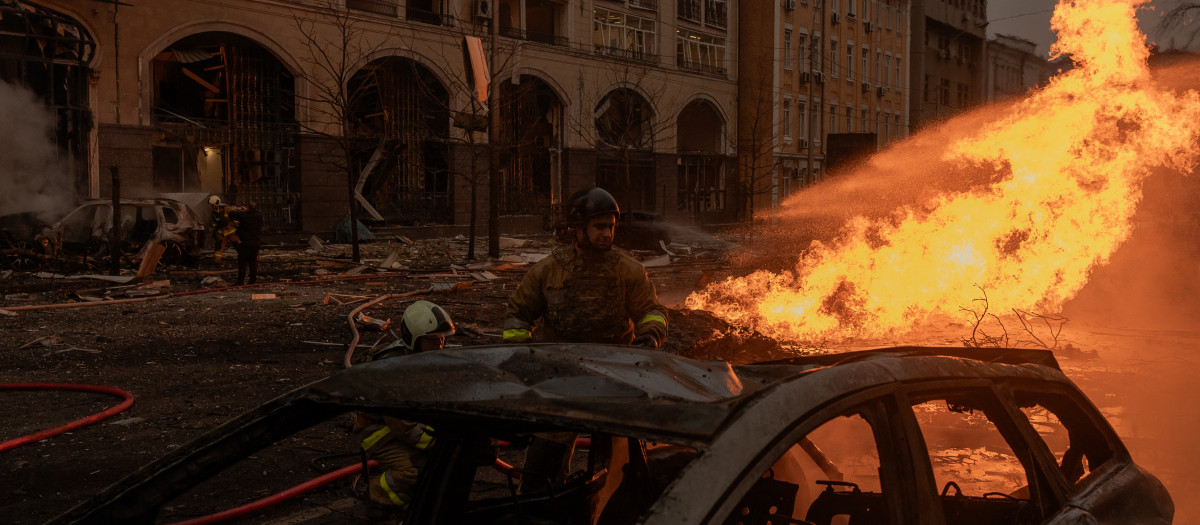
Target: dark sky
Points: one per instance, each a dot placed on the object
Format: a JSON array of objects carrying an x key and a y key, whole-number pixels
[{"x": 1030, "y": 19}]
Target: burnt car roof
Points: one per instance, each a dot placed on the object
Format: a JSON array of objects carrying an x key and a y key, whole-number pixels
[
  {"x": 643, "y": 393},
  {"x": 647, "y": 394}
]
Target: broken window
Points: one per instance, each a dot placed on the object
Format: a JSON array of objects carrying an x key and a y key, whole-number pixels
[
  {"x": 84, "y": 224},
  {"x": 1078, "y": 444},
  {"x": 984, "y": 471},
  {"x": 49, "y": 52},
  {"x": 400, "y": 119},
  {"x": 831, "y": 475},
  {"x": 610, "y": 479},
  {"x": 530, "y": 162},
  {"x": 225, "y": 107}
]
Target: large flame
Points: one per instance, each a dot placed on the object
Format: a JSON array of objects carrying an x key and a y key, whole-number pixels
[{"x": 1066, "y": 167}]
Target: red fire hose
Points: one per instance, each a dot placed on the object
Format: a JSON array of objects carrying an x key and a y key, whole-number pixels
[
  {"x": 38, "y": 436},
  {"x": 273, "y": 499}
]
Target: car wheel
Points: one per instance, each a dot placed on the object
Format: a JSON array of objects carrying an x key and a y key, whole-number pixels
[{"x": 22, "y": 256}]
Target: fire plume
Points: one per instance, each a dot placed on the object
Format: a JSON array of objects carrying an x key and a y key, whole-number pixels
[{"x": 1064, "y": 169}]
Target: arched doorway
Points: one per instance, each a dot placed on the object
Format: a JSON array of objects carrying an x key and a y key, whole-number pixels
[
  {"x": 702, "y": 190},
  {"x": 400, "y": 120},
  {"x": 625, "y": 149},
  {"x": 225, "y": 106},
  {"x": 48, "y": 53},
  {"x": 531, "y": 138}
]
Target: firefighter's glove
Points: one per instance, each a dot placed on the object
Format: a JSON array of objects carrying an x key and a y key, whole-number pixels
[{"x": 645, "y": 340}]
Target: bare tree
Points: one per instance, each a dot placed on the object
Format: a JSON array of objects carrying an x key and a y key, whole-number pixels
[
  {"x": 473, "y": 120},
  {"x": 337, "y": 44},
  {"x": 623, "y": 122},
  {"x": 1178, "y": 17},
  {"x": 758, "y": 137}
]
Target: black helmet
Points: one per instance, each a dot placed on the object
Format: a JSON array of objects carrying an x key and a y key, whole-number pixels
[{"x": 589, "y": 203}]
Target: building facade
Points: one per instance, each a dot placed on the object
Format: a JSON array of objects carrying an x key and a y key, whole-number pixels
[
  {"x": 252, "y": 99},
  {"x": 948, "y": 64},
  {"x": 812, "y": 72},
  {"x": 1014, "y": 68}
]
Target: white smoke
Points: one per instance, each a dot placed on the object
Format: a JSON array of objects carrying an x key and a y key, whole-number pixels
[{"x": 32, "y": 177}]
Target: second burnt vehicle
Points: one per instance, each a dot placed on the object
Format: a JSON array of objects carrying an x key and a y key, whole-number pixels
[
  {"x": 83, "y": 233},
  {"x": 905, "y": 435}
]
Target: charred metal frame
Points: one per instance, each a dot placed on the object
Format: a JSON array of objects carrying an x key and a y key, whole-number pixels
[
  {"x": 403, "y": 107},
  {"x": 222, "y": 92},
  {"x": 531, "y": 154},
  {"x": 49, "y": 53}
]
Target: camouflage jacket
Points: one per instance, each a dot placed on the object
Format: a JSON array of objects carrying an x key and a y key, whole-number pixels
[{"x": 565, "y": 298}]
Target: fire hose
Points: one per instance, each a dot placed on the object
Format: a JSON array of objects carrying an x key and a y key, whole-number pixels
[
  {"x": 38, "y": 436},
  {"x": 276, "y": 498},
  {"x": 364, "y": 306}
]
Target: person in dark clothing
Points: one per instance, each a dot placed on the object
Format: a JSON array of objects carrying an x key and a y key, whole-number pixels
[{"x": 250, "y": 223}]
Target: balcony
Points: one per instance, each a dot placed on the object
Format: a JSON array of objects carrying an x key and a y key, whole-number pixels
[
  {"x": 651, "y": 5},
  {"x": 534, "y": 36},
  {"x": 379, "y": 7},
  {"x": 634, "y": 54},
  {"x": 701, "y": 68}
]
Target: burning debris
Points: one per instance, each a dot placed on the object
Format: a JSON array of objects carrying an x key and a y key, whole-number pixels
[{"x": 1051, "y": 186}]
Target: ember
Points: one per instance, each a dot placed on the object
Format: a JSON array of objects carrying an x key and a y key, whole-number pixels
[{"x": 1060, "y": 177}]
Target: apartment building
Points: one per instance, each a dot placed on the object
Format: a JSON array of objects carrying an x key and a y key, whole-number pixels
[
  {"x": 1014, "y": 68},
  {"x": 253, "y": 99},
  {"x": 815, "y": 75},
  {"x": 948, "y": 61}
]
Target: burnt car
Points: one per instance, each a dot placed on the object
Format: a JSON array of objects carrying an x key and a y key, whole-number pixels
[
  {"x": 905, "y": 435},
  {"x": 144, "y": 222}
]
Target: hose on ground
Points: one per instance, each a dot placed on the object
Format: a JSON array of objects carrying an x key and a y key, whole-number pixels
[
  {"x": 354, "y": 328},
  {"x": 276, "y": 498},
  {"x": 38, "y": 436}
]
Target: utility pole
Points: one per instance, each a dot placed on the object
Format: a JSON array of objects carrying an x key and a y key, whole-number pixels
[
  {"x": 114, "y": 233},
  {"x": 493, "y": 150}
]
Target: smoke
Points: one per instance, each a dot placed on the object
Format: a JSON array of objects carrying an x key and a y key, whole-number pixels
[
  {"x": 1153, "y": 281},
  {"x": 32, "y": 175}
]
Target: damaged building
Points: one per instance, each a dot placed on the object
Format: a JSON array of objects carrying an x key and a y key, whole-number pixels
[{"x": 197, "y": 99}]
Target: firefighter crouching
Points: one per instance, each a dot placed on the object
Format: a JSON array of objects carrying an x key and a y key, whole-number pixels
[
  {"x": 585, "y": 292},
  {"x": 401, "y": 446}
]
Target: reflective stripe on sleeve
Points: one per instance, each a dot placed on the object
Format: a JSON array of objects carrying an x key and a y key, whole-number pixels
[
  {"x": 653, "y": 318},
  {"x": 425, "y": 440},
  {"x": 516, "y": 335},
  {"x": 372, "y": 439},
  {"x": 388, "y": 490}
]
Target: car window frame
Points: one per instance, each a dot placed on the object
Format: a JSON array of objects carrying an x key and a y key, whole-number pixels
[
  {"x": 903, "y": 502},
  {"x": 1120, "y": 454},
  {"x": 1010, "y": 424}
]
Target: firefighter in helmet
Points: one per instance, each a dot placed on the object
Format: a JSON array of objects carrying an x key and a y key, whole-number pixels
[
  {"x": 224, "y": 228},
  {"x": 585, "y": 292},
  {"x": 400, "y": 446}
]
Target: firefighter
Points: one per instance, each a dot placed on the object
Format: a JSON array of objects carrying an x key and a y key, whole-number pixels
[
  {"x": 398, "y": 445},
  {"x": 585, "y": 292},
  {"x": 224, "y": 228}
]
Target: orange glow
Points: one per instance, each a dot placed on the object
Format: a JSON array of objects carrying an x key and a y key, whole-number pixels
[{"x": 1065, "y": 170}]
